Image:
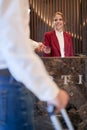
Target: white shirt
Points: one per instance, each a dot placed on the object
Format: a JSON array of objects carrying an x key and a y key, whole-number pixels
[
  {"x": 16, "y": 53},
  {"x": 60, "y": 38}
]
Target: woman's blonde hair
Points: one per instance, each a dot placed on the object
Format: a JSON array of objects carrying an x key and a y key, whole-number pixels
[{"x": 59, "y": 13}]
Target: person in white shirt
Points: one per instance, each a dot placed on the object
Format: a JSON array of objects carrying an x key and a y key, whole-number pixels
[{"x": 21, "y": 70}]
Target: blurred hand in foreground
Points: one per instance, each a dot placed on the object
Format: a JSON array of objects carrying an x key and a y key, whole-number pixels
[
  {"x": 60, "y": 101},
  {"x": 40, "y": 47}
]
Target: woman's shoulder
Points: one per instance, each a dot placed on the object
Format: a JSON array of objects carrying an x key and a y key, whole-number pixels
[
  {"x": 49, "y": 33},
  {"x": 68, "y": 34}
]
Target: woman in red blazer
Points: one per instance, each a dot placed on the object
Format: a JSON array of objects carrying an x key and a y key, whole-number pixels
[{"x": 59, "y": 41}]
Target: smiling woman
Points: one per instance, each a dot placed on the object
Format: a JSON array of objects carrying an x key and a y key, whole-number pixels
[{"x": 58, "y": 40}]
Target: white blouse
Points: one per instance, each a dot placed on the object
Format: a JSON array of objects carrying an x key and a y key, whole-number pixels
[{"x": 60, "y": 38}]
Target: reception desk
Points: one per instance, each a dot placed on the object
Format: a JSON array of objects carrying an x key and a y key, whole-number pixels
[{"x": 71, "y": 75}]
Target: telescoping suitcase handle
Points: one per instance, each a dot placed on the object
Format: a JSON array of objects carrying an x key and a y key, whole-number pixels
[{"x": 56, "y": 122}]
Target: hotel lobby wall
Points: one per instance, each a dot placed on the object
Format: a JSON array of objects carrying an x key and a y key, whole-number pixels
[
  {"x": 84, "y": 25},
  {"x": 75, "y": 12}
]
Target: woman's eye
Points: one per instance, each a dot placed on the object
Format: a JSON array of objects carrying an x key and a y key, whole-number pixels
[
  {"x": 55, "y": 20},
  {"x": 58, "y": 19}
]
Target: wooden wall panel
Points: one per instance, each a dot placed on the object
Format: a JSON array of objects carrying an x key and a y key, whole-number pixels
[
  {"x": 42, "y": 14},
  {"x": 84, "y": 25}
]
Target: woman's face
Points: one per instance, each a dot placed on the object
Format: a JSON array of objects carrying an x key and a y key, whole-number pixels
[{"x": 58, "y": 23}]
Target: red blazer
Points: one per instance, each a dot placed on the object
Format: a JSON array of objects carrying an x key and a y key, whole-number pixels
[{"x": 50, "y": 39}]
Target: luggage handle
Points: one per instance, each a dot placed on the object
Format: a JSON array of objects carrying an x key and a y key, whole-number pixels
[{"x": 56, "y": 122}]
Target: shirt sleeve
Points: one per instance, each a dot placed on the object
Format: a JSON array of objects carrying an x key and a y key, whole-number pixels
[
  {"x": 18, "y": 55},
  {"x": 34, "y": 44}
]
